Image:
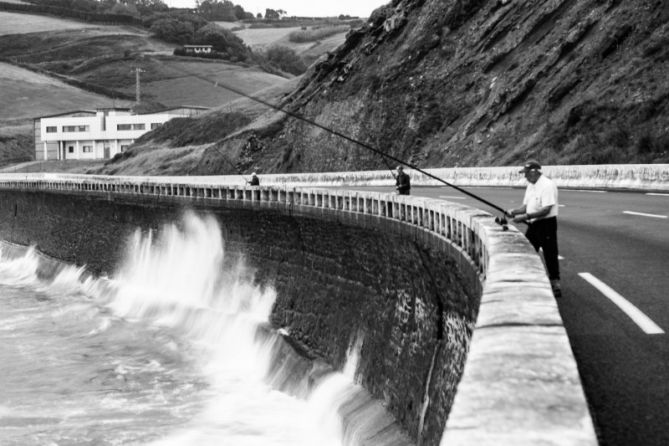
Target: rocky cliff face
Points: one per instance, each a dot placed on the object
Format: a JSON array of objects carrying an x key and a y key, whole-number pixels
[{"x": 443, "y": 83}]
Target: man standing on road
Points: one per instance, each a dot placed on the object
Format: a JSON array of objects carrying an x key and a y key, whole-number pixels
[
  {"x": 402, "y": 182},
  {"x": 539, "y": 211}
]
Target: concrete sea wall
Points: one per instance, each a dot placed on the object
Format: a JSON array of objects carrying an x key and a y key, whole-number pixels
[{"x": 422, "y": 281}]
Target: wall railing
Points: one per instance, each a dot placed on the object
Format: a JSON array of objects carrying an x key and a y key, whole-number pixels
[{"x": 451, "y": 222}]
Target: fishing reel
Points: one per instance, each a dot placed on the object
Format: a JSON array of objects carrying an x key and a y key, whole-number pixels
[{"x": 502, "y": 222}]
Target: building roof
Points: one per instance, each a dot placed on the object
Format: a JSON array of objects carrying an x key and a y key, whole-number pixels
[
  {"x": 198, "y": 46},
  {"x": 55, "y": 115},
  {"x": 93, "y": 112},
  {"x": 176, "y": 107},
  {"x": 87, "y": 112}
]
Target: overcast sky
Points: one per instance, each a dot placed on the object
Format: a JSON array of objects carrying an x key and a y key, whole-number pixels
[{"x": 316, "y": 8}]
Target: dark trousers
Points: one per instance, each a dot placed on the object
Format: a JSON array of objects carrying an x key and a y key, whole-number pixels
[{"x": 543, "y": 234}]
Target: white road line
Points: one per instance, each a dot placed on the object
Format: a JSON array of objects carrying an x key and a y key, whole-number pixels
[
  {"x": 452, "y": 197},
  {"x": 561, "y": 205},
  {"x": 592, "y": 191},
  {"x": 644, "y": 215},
  {"x": 657, "y": 194},
  {"x": 560, "y": 258},
  {"x": 643, "y": 321}
]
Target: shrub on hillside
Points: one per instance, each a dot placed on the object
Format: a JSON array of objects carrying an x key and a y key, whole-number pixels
[
  {"x": 194, "y": 20},
  {"x": 123, "y": 9},
  {"x": 16, "y": 149},
  {"x": 285, "y": 59},
  {"x": 172, "y": 30},
  {"x": 222, "y": 41}
]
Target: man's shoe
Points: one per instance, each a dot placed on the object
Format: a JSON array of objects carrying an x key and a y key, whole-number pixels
[{"x": 555, "y": 286}]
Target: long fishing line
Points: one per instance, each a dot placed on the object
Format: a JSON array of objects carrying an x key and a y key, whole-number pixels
[{"x": 500, "y": 220}]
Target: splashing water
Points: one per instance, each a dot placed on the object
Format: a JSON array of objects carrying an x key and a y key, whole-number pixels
[{"x": 165, "y": 353}]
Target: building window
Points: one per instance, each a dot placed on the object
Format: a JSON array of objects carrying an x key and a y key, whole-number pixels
[
  {"x": 51, "y": 129},
  {"x": 138, "y": 126},
  {"x": 88, "y": 149},
  {"x": 75, "y": 128},
  {"x": 155, "y": 125},
  {"x": 70, "y": 149},
  {"x": 123, "y": 126}
]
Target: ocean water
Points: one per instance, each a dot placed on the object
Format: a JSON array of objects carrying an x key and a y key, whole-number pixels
[{"x": 166, "y": 352}]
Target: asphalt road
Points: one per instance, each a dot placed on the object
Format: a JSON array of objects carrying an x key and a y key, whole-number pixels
[{"x": 614, "y": 259}]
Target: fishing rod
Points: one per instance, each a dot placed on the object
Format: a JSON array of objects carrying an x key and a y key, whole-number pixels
[
  {"x": 239, "y": 171},
  {"x": 500, "y": 220},
  {"x": 389, "y": 167}
]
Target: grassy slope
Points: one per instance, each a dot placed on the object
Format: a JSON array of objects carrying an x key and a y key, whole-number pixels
[
  {"x": 260, "y": 39},
  {"x": 21, "y": 87},
  {"x": 15, "y": 23},
  {"x": 192, "y": 81}
]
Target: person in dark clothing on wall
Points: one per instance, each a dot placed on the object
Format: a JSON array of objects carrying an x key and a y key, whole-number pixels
[
  {"x": 402, "y": 182},
  {"x": 254, "y": 181},
  {"x": 539, "y": 211}
]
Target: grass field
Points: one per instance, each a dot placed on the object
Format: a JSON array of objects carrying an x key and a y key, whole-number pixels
[
  {"x": 230, "y": 25},
  {"x": 260, "y": 39},
  {"x": 26, "y": 94},
  {"x": 15, "y": 23}
]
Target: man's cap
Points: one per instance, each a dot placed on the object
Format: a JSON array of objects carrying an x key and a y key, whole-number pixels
[
  {"x": 400, "y": 168},
  {"x": 253, "y": 173},
  {"x": 531, "y": 165}
]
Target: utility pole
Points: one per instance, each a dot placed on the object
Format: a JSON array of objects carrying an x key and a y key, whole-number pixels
[{"x": 137, "y": 88}]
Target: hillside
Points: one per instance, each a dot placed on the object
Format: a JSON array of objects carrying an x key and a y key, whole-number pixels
[
  {"x": 103, "y": 59},
  {"x": 467, "y": 82},
  {"x": 54, "y": 65}
]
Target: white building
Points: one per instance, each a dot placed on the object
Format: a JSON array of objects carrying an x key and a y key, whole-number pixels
[
  {"x": 100, "y": 134},
  {"x": 198, "y": 49}
]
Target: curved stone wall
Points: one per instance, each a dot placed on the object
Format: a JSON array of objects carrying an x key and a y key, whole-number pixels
[{"x": 520, "y": 384}]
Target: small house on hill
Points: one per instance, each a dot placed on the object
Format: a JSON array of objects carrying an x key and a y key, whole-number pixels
[
  {"x": 97, "y": 134},
  {"x": 198, "y": 49}
]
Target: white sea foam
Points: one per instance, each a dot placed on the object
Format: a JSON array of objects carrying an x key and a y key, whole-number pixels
[
  {"x": 179, "y": 279},
  {"x": 19, "y": 271}
]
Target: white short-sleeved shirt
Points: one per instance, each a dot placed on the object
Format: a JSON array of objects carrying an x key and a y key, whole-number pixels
[{"x": 541, "y": 194}]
